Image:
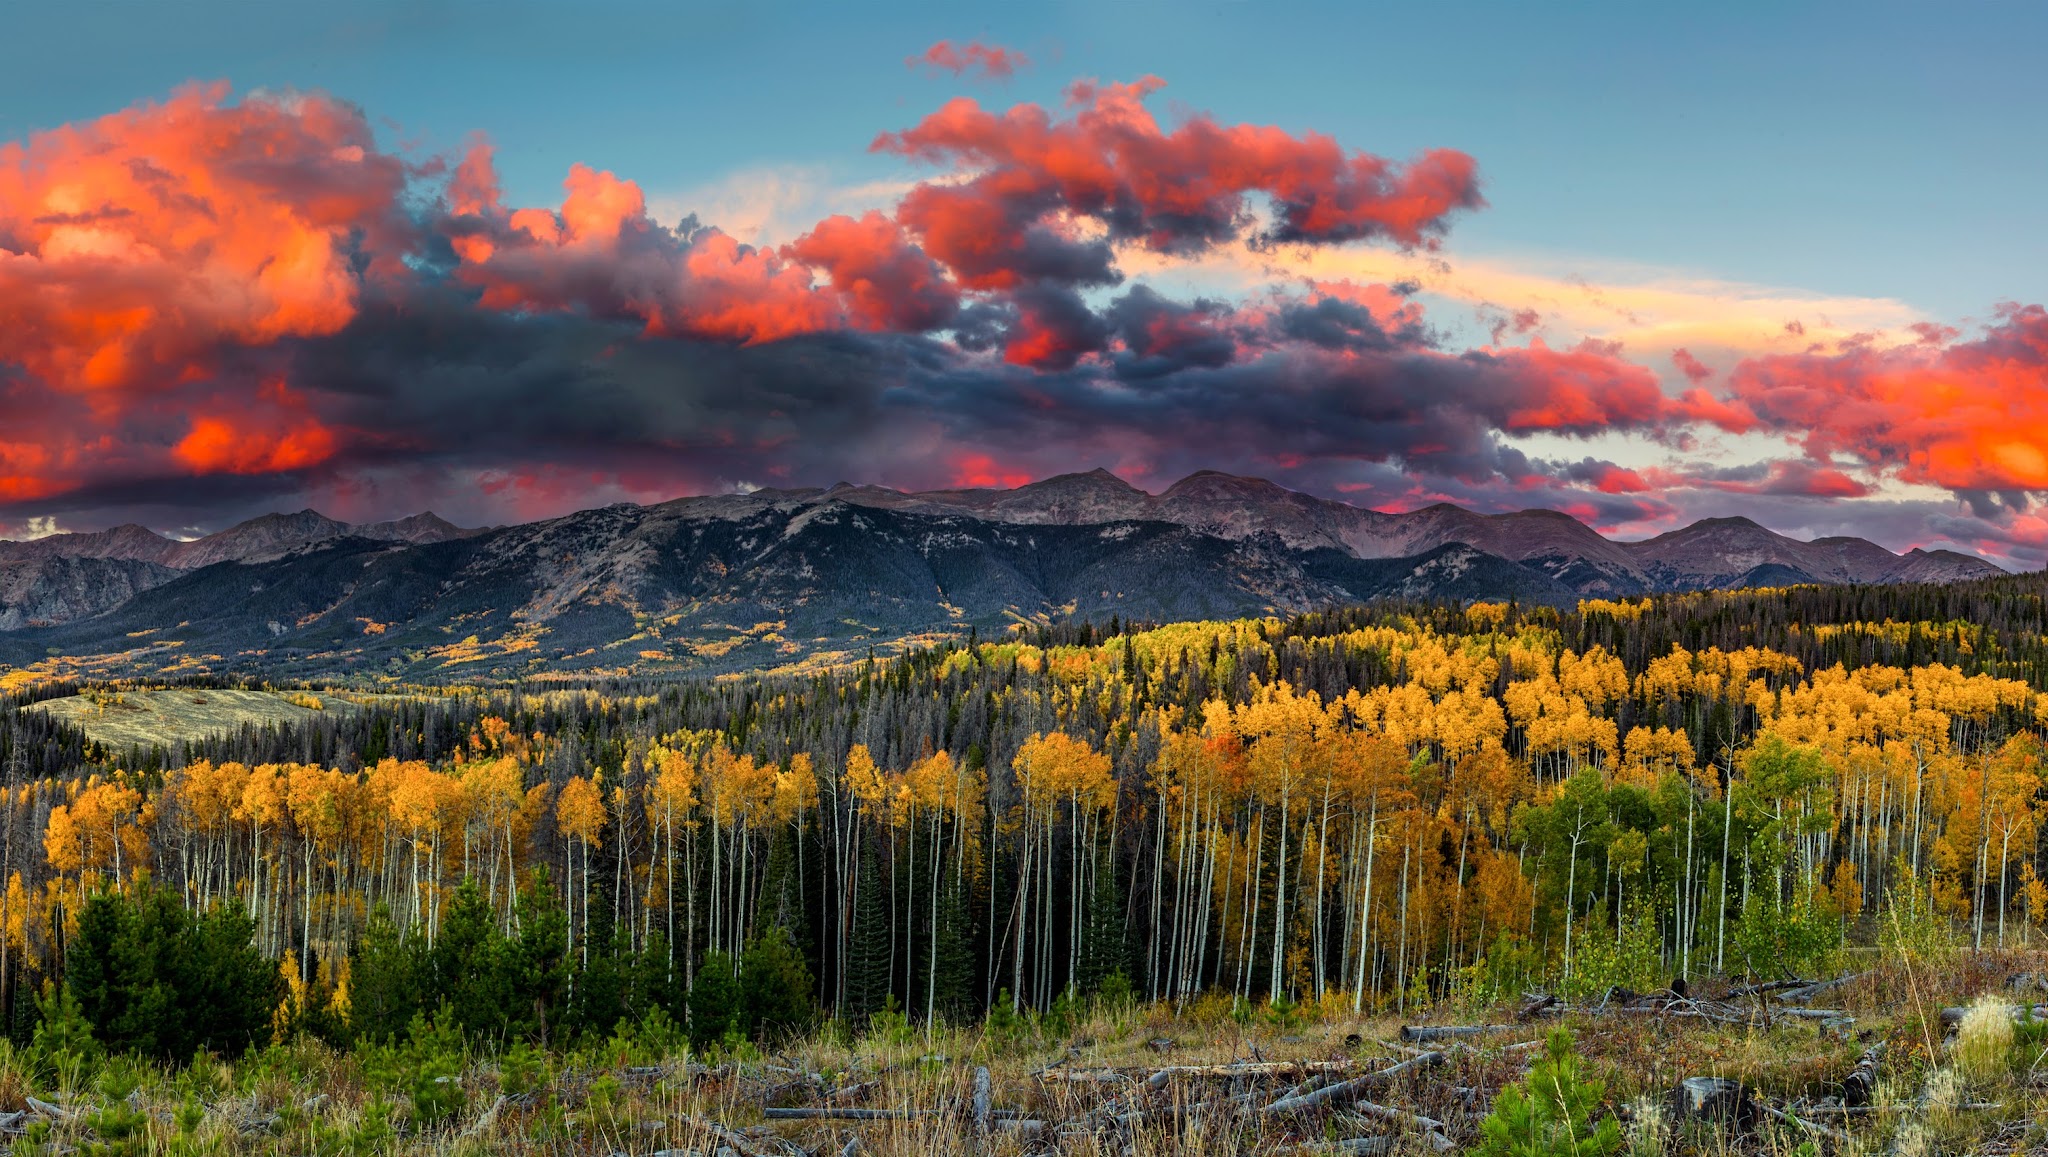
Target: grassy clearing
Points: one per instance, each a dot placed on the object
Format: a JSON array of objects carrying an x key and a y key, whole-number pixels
[
  {"x": 642, "y": 1093},
  {"x": 142, "y": 718}
]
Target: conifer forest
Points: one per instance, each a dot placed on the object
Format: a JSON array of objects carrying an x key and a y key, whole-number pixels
[{"x": 1397, "y": 811}]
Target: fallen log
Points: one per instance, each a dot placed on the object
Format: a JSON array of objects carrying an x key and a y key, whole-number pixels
[
  {"x": 835, "y": 1113},
  {"x": 1860, "y": 1086},
  {"x": 1429, "y": 1032},
  {"x": 1351, "y": 1090},
  {"x": 1951, "y": 1017},
  {"x": 1808, "y": 992},
  {"x": 1379, "y": 1146},
  {"x": 1165, "y": 1076},
  {"x": 1766, "y": 986},
  {"x": 1835, "y": 1135},
  {"x": 1432, "y": 1131}
]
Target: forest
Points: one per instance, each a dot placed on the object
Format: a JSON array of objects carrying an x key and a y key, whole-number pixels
[{"x": 1382, "y": 806}]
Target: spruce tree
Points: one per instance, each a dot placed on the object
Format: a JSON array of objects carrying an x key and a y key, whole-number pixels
[
  {"x": 537, "y": 963},
  {"x": 385, "y": 979},
  {"x": 867, "y": 956},
  {"x": 717, "y": 1005},
  {"x": 775, "y": 985},
  {"x": 953, "y": 983}
]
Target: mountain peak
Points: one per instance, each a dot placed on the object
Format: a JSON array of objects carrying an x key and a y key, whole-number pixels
[{"x": 1217, "y": 484}]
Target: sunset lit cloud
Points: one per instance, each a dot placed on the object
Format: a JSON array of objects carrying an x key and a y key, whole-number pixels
[{"x": 260, "y": 294}]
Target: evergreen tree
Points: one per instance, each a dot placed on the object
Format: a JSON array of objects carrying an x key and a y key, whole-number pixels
[
  {"x": 155, "y": 978},
  {"x": 775, "y": 985},
  {"x": 717, "y": 1004},
  {"x": 953, "y": 985},
  {"x": 867, "y": 958},
  {"x": 537, "y": 963},
  {"x": 386, "y": 979},
  {"x": 1104, "y": 947},
  {"x": 468, "y": 970}
]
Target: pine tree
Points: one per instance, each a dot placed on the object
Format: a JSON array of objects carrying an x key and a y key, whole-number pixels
[
  {"x": 537, "y": 963},
  {"x": 954, "y": 995},
  {"x": 867, "y": 964},
  {"x": 717, "y": 1004},
  {"x": 1105, "y": 950},
  {"x": 775, "y": 985},
  {"x": 385, "y": 979},
  {"x": 1550, "y": 1114}
]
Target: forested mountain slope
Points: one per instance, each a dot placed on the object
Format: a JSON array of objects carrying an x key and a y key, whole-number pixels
[{"x": 805, "y": 579}]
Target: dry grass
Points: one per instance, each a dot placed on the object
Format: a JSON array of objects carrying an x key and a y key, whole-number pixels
[
  {"x": 141, "y": 718},
  {"x": 629, "y": 1098}
]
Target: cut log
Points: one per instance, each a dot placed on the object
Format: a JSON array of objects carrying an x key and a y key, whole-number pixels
[
  {"x": 1716, "y": 1099},
  {"x": 1349, "y": 1091}
]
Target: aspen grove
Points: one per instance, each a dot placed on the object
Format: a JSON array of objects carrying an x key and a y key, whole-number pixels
[{"x": 1379, "y": 806}]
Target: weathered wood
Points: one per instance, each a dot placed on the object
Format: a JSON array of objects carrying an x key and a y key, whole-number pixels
[
  {"x": 488, "y": 1118},
  {"x": 45, "y": 1108},
  {"x": 1838, "y": 1137},
  {"x": 1165, "y": 1076},
  {"x": 1860, "y": 1086},
  {"x": 1379, "y": 1146},
  {"x": 1429, "y": 1032},
  {"x": 982, "y": 1112},
  {"x": 1715, "y": 1099},
  {"x": 1951, "y": 1017},
  {"x": 1348, "y": 1091},
  {"x": 1808, "y": 992},
  {"x": 837, "y": 1113},
  {"x": 1431, "y": 1130},
  {"x": 848, "y": 1093}
]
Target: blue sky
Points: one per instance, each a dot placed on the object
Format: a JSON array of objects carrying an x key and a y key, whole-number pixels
[{"x": 1873, "y": 149}]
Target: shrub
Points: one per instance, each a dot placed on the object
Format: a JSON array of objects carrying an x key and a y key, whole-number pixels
[{"x": 1550, "y": 1114}]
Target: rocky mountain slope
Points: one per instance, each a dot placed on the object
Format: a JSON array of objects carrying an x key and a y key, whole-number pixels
[{"x": 793, "y": 577}]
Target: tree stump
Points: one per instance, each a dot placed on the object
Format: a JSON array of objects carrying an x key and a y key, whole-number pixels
[{"x": 1716, "y": 1099}]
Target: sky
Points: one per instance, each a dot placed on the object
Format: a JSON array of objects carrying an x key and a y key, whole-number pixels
[{"x": 504, "y": 261}]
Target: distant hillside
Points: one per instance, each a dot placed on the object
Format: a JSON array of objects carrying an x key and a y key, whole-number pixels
[{"x": 789, "y": 578}]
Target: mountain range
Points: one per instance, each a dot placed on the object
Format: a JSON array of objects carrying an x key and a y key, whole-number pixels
[{"x": 788, "y": 578}]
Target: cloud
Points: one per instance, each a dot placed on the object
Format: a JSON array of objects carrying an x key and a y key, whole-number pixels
[
  {"x": 987, "y": 61},
  {"x": 227, "y": 306},
  {"x": 1968, "y": 416}
]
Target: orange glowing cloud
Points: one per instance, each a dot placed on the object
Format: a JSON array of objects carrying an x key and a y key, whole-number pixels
[
  {"x": 1967, "y": 416},
  {"x": 134, "y": 246},
  {"x": 600, "y": 252},
  {"x": 272, "y": 434},
  {"x": 990, "y": 61},
  {"x": 1173, "y": 192}
]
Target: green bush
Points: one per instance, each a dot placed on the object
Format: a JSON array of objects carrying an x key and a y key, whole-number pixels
[{"x": 1550, "y": 1114}]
